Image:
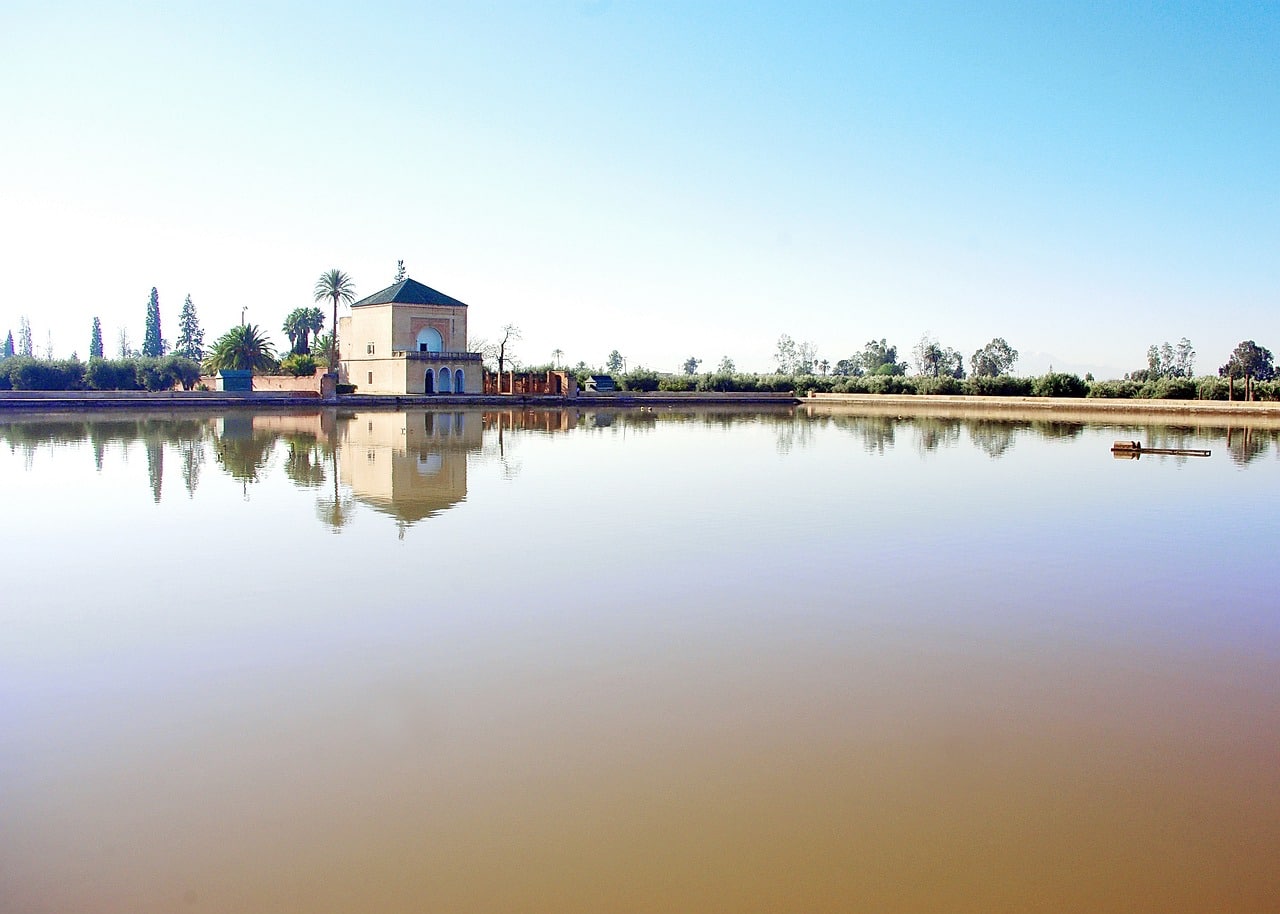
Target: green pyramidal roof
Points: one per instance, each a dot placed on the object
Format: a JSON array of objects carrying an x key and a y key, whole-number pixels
[{"x": 409, "y": 292}]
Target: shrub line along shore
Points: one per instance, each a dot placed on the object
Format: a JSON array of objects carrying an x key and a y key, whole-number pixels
[{"x": 1065, "y": 408}]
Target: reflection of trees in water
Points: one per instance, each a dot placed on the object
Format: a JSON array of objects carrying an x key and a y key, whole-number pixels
[
  {"x": 304, "y": 461},
  {"x": 155, "y": 467},
  {"x": 933, "y": 433},
  {"x": 877, "y": 432},
  {"x": 1048, "y": 428},
  {"x": 1246, "y": 445},
  {"x": 335, "y": 509},
  {"x": 242, "y": 451},
  {"x": 993, "y": 438},
  {"x": 157, "y": 435},
  {"x": 795, "y": 431}
]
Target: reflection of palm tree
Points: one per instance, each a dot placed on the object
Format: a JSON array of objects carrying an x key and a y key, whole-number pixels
[
  {"x": 336, "y": 286},
  {"x": 301, "y": 465},
  {"x": 336, "y": 511}
]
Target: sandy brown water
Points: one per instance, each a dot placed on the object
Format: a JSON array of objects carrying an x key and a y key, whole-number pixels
[{"x": 674, "y": 684}]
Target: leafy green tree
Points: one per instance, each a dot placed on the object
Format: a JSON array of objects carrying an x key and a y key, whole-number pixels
[
  {"x": 322, "y": 343},
  {"x": 183, "y": 370},
  {"x": 152, "y": 342},
  {"x": 880, "y": 358},
  {"x": 615, "y": 362},
  {"x": 25, "y": 344},
  {"x": 794, "y": 358},
  {"x": 299, "y": 364},
  {"x": 300, "y": 325},
  {"x": 726, "y": 366},
  {"x": 335, "y": 286},
  {"x": 95, "y": 340},
  {"x": 190, "y": 333},
  {"x": 935, "y": 361},
  {"x": 1166, "y": 361},
  {"x": 8, "y": 346},
  {"x": 242, "y": 348},
  {"x": 691, "y": 364},
  {"x": 994, "y": 359},
  {"x": 1249, "y": 360},
  {"x": 400, "y": 274}
]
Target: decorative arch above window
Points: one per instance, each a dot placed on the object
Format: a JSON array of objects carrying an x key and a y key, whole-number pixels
[{"x": 429, "y": 340}]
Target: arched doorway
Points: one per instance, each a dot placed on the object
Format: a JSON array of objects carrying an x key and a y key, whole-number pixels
[
  {"x": 429, "y": 384},
  {"x": 429, "y": 340},
  {"x": 459, "y": 382},
  {"x": 445, "y": 378}
]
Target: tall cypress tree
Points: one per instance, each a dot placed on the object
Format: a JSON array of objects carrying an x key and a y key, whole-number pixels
[
  {"x": 8, "y": 346},
  {"x": 25, "y": 344},
  {"x": 190, "y": 334},
  {"x": 95, "y": 340},
  {"x": 152, "y": 345}
]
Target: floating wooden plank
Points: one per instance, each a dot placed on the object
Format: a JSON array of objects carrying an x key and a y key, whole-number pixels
[{"x": 1134, "y": 449}]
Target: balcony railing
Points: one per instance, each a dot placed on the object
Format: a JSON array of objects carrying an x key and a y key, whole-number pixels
[{"x": 416, "y": 356}]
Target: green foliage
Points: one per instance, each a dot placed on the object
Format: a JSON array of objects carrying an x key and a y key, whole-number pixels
[
  {"x": 1168, "y": 388},
  {"x": 300, "y": 325},
  {"x": 1059, "y": 384},
  {"x": 804, "y": 384},
  {"x": 182, "y": 370},
  {"x": 152, "y": 342},
  {"x": 112, "y": 374},
  {"x": 241, "y": 348},
  {"x": 190, "y": 334},
  {"x": 691, "y": 364},
  {"x": 1168, "y": 361},
  {"x": 676, "y": 384},
  {"x": 639, "y": 380},
  {"x": 25, "y": 344},
  {"x": 1249, "y": 360},
  {"x": 1114, "y": 390},
  {"x": 43, "y": 374},
  {"x": 935, "y": 361},
  {"x": 999, "y": 386},
  {"x": 300, "y": 366},
  {"x": 1211, "y": 388},
  {"x": 334, "y": 286},
  {"x": 95, "y": 340},
  {"x": 994, "y": 359},
  {"x": 613, "y": 364},
  {"x": 8, "y": 351},
  {"x": 942, "y": 385}
]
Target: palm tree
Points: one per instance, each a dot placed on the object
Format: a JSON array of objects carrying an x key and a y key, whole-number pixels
[
  {"x": 300, "y": 325},
  {"x": 556, "y": 356},
  {"x": 242, "y": 348},
  {"x": 335, "y": 286}
]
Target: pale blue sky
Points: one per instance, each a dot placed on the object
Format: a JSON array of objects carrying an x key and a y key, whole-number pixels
[{"x": 666, "y": 179}]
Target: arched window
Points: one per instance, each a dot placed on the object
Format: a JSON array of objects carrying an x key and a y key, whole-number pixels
[
  {"x": 429, "y": 340},
  {"x": 459, "y": 382},
  {"x": 429, "y": 385}
]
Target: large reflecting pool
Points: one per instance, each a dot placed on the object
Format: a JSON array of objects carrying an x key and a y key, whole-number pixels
[{"x": 636, "y": 661}]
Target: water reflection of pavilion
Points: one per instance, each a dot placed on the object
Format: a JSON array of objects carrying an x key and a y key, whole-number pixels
[{"x": 410, "y": 465}]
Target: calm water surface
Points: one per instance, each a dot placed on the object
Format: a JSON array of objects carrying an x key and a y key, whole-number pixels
[{"x": 635, "y": 661}]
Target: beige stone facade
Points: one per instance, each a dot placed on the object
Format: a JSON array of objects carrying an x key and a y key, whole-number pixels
[{"x": 408, "y": 339}]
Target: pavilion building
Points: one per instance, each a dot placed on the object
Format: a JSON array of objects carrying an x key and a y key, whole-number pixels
[{"x": 408, "y": 339}]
